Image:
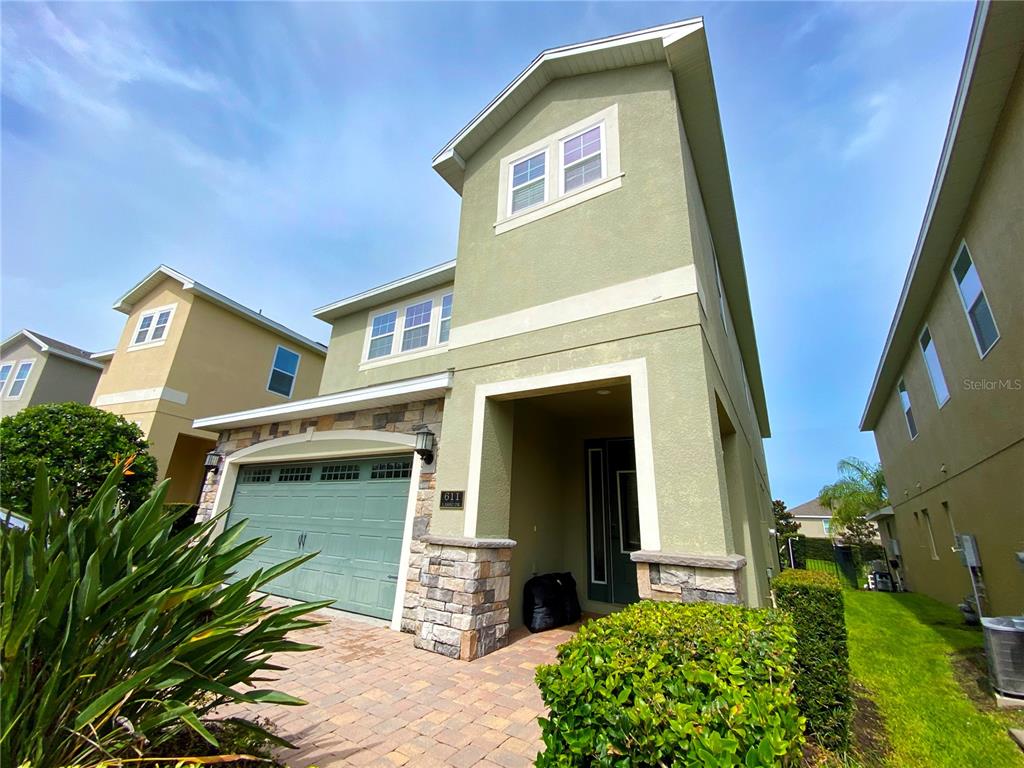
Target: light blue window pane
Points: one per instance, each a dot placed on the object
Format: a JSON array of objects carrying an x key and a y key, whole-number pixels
[
  {"x": 281, "y": 383},
  {"x": 984, "y": 324},
  {"x": 931, "y": 358},
  {"x": 418, "y": 314},
  {"x": 380, "y": 346},
  {"x": 907, "y": 410},
  {"x": 583, "y": 173},
  {"x": 5, "y": 372},
  {"x": 446, "y": 306},
  {"x": 528, "y": 170},
  {"x": 384, "y": 324},
  {"x": 286, "y": 360},
  {"x": 446, "y": 330},
  {"x": 582, "y": 145},
  {"x": 414, "y": 338},
  {"x": 531, "y": 194}
]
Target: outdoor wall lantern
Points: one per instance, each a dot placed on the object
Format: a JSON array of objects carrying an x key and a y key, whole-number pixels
[
  {"x": 212, "y": 461},
  {"x": 425, "y": 444}
]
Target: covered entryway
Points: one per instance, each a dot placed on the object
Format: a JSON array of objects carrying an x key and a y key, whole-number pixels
[{"x": 352, "y": 511}]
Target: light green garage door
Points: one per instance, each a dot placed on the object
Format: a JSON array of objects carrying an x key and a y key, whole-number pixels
[{"x": 350, "y": 511}]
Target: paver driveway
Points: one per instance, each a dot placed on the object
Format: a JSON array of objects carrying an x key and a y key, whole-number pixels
[{"x": 374, "y": 699}]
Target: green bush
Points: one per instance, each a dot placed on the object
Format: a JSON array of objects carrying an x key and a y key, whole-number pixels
[
  {"x": 815, "y": 600},
  {"x": 117, "y": 633},
  {"x": 669, "y": 684},
  {"x": 79, "y": 444}
]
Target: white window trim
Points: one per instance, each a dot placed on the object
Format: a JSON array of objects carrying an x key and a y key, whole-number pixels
[
  {"x": 155, "y": 312},
  {"x": 10, "y": 382},
  {"x": 512, "y": 188},
  {"x": 434, "y": 345},
  {"x": 903, "y": 384},
  {"x": 562, "y": 167},
  {"x": 10, "y": 375},
  {"x": 967, "y": 312},
  {"x": 555, "y": 198},
  {"x": 928, "y": 368},
  {"x": 295, "y": 378}
]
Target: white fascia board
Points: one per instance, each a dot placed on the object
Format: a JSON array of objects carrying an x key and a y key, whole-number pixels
[
  {"x": 128, "y": 301},
  {"x": 104, "y": 356},
  {"x": 872, "y": 409},
  {"x": 426, "y": 278},
  {"x": 352, "y": 399},
  {"x": 47, "y": 349}
]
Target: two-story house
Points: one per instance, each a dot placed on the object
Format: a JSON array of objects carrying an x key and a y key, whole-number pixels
[
  {"x": 36, "y": 369},
  {"x": 187, "y": 350},
  {"x": 947, "y": 402},
  {"x": 579, "y": 391}
]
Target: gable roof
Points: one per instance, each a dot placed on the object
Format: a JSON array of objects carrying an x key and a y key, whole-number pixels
[
  {"x": 812, "y": 508},
  {"x": 163, "y": 272},
  {"x": 683, "y": 46},
  {"x": 994, "y": 51},
  {"x": 54, "y": 347}
]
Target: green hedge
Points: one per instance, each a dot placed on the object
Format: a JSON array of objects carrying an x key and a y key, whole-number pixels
[
  {"x": 670, "y": 684},
  {"x": 815, "y": 600}
]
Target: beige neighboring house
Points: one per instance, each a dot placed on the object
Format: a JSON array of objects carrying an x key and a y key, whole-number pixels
[
  {"x": 947, "y": 403},
  {"x": 36, "y": 369},
  {"x": 187, "y": 350},
  {"x": 578, "y": 391},
  {"x": 814, "y": 519}
]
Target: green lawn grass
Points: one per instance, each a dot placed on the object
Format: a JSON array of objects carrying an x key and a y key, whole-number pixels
[{"x": 902, "y": 648}]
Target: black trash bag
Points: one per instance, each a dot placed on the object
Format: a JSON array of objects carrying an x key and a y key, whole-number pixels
[{"x": 550, "y": 601}]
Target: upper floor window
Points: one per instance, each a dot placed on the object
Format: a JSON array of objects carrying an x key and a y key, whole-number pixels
[
  {"x": 420, "y": 325},
  {"x": 908, "y": 412},
  {"x": 5, "y": 374},
  {"x": 979, "y": 314},
  {"x": 582, "y": 159},
  {"x": 283, "y": 371},
  {"x": 571, "y": 166},
  {"x": 931, "y": 359},
  {"x": 153, "y": 326},
  {"x": 20, "y": 377},
  {"x": 721, "y": 293},
  {"x": 528, "y": 183}
]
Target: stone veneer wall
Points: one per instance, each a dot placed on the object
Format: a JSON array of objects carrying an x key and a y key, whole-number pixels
[
  {"x": 463, "y": 609},
  {"x": 403, "y": 418},
  {"x": 689, "y": 578}
]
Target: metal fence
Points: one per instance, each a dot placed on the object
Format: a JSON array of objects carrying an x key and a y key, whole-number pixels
[{"x": 847, "y": 562}]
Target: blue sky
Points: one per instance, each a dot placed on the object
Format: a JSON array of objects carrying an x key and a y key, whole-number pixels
[{"x": 281, "y": 154}]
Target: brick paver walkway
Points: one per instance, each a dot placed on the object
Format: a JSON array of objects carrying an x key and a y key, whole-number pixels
[{"x": 376, "y": 700}]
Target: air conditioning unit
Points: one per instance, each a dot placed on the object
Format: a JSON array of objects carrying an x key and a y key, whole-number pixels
[{"x": 1004, "y": 646}]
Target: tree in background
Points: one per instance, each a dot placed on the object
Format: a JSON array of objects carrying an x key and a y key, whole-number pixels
[
  {"x": 786, "y": 526},
  {"x": 79, "y": 445},
  {"x": 860, "y": 490}
]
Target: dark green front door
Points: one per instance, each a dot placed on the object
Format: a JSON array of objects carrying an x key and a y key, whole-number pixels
[
  {"x": 613, "y": 519},
  {"x": 351, "y": 511}
]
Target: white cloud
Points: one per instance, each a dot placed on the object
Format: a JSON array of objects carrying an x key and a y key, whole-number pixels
[{"x": 877, "y": 110}]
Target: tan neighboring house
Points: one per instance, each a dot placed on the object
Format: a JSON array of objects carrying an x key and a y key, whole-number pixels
[
  {"x": 36, "y": 369},
  {"x": 947, "y": 402},
  {"x": 578, "y": 391},
  {"x": 814, "y": 519},
  {"x": 187, "y": 350}
]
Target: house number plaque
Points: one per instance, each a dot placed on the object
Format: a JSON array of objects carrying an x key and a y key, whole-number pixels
[{"x": 452, "y": 499}]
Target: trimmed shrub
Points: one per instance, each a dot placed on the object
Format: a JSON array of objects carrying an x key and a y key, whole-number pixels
[
  {"x": 815, "y": 601},
  {"x": 80, "y": 445},
  {"x": 670, "y": 684},
  {"x": 118, "y": 633}
]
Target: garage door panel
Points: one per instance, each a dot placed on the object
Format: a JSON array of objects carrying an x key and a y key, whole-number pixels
[{"x": 353, "y": 521}]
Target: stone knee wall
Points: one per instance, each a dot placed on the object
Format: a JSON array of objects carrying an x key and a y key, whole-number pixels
[
  {"x": 463, "y": 602},
  {"x": 690, "y": 578}
]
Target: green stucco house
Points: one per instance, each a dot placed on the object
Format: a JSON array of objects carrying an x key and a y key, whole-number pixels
[{"x": 578, "y": 390}]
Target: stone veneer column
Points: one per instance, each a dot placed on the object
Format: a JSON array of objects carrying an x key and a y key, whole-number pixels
[
  {"x": 684, "y": 578},
  {"x": 463, "y": 597}
]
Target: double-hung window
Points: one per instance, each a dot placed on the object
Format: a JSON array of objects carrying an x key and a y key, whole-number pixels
[
  {"x": 529, "y": 182},
  {"x": 382, "y": 334},
  {"x": 908, "y": 411},
  {"x": 5, "y": 374},
  {"x": 153, "y": 326},
  {"x": 283, "y": 371},
  {"x": 931, "y": 359},
  {"x": 979, "y": 314},
  {"x": 582, "y": 159},
  {"x": 20, "y": 377},
  {"x": 446, "y": 319},
  {"x": 416, "y": 328}
]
